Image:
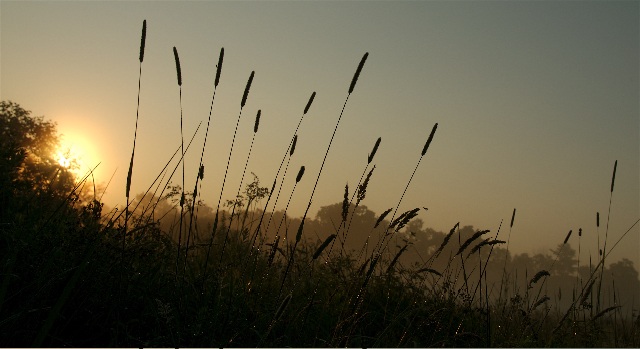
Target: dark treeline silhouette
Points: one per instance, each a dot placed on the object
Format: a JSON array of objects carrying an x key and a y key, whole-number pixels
[{"x": 507, "y": 274}]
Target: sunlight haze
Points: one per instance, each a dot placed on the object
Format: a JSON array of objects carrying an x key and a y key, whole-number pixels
[{"x": 534, "y": 101}]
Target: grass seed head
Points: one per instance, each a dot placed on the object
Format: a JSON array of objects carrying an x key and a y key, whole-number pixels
[
  {"x": 372, "y": 267},
  {"x": 357, "y": 74},
  {"x": 406, "y": 217},
  {"x": 219, "y": 67},
  {"x": 604, "y": 312},
  {"x": 470, "y": 240},
  {"x": 129, "y": 175},
  {"x": 432, "y": 271},
  {"x": 447, "y": 238},
  {"x": 538, "y": 303},
  {"x": 323, "y": 246},
  {"x": 395, "y": 259},
  {"x": 587, "y": 292},
  {"x": 426, "y": 146},
  {"x": 306, "y": 109},
  {"x": 477, "y": 247},
  {"x": 255, "y": 127},
  {"x": 246, "y": 90},
  {"x": 143, "y": 39},
  {"x": 362, "y": 189},
  {"x": 300, "y": 173},
  {"x": 364, "y": 266},
  {"x": 375, "y": 149},
  {"x": 567, "y": 238},
  {"x": 293, "y": 145},
  {"x": 512, "y": 217},
  {"x": 496, "y": 242},
  {"x": 300, "y": 228},
  {"x": 178, "y": 70},
  {"x": 384, "y": 214},
  {"x": 345, "y": 203},
  {"x": 397, "y": 220},
  {"x": 273, "y": 251},
  {"x": 201, "y": 172},
  {"x": 538, "y": 276},
  {"x": 282, "y": 307},
  {"x": 613, "y": 178},
  {"x": 598, "y": 219}
]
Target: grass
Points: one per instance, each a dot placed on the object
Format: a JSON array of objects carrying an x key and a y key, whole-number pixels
[{"x": 73, "y": 275}]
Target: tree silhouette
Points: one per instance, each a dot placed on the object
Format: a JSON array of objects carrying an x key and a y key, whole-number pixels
[
  {"x": 28, "y": 164},
  {"x": 566, "y": 263},
  {"x": 329, "y": 218},
  {"x": 626, "y": 281}
]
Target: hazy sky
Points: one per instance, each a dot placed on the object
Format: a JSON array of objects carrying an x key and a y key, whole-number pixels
[{"x": 534, "y": 100}]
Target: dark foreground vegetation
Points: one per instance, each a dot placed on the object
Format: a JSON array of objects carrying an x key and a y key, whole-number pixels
[{"x": 169, "y": 271}]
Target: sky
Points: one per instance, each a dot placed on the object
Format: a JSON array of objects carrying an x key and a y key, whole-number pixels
[{"x": 535, "y": 101}]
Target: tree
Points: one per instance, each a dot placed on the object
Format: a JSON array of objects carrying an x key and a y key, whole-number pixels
[
  {"x": 566, "y": 261},
  {"x": 329, "y": 219},
  {"x": 625, "y": 276},
  {"x": 28, "y": 163}
]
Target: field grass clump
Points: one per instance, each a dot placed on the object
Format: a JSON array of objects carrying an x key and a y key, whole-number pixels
[{"x": 167, "y": 270}]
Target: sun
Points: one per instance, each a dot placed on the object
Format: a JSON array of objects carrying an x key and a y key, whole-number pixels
[
  {"x": 76, "y": 155},
  {"x": 63, "y": 161},
  {"x": 79, "y": 149},
  {"x": 73, "y": 157}
]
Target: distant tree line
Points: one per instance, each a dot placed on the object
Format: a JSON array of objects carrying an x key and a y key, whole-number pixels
[{"x": 508, "y": 273}]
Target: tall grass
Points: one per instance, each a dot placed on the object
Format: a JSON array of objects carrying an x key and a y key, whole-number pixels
[
  {"x": 60, "y": 274},
  {"x": 200, "y": 175}
]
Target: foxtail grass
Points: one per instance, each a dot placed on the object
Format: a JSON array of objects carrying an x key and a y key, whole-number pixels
[
  {"x": 289, "y": 152},
  {"x": 135, "y": 134},
  {"x": 182, "y": 198},
  {"x": 382, "y": 243},
  {"x": 235, "y": 203},
  {"x": 215, "y": 223},
  {"x": 606, "y": 234},
  {"x": 360, "y": 193},
  {"x": 292, "y": 146},
  {"x": 200, "y": 175},
  {"x": 244, "y": 171},
  {"x": 506, "y": 256},
  {"x": 286, "y": 271},
  {"x": 351, "y": 87},
  {"x": 324, "y": 245}
]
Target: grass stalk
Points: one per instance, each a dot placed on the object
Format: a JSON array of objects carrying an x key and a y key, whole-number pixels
[
  {"x": 290, "y": 150},
  {"x": 606, "y": 234},
  {"x": 179, "y": 73},
  {"x": 351, "y": 87},
  {"x": 215, "y": 224},
  {"x": 135, "y": 134},
  {"x": 200, "y": 175},
  {"x": 381, "y": 242},
  {"x": 255, "y": 130},
  {"x": 293, "y": 251}
]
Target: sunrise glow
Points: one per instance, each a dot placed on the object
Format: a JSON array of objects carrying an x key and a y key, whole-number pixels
[
  {"x": 63, "y": 161},
  {"x": 77, "y": 150}
]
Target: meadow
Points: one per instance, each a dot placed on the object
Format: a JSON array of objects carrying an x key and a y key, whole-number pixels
[{"x": 168, "y": 270}]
